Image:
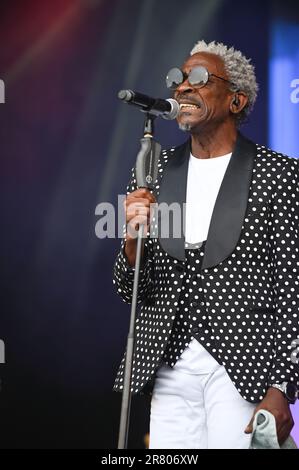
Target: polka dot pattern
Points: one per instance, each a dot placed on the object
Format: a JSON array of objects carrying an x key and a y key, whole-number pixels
[
  {"x": 245, "y": 308},
  {"x": 192, "y": 319}
]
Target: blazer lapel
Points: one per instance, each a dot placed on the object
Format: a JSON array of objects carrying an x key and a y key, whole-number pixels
[
  {"x": 173, "y": 190},
  {"x": 230, "y": 206}
]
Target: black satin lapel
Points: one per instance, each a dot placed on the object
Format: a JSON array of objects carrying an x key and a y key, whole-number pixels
[
  {"x": 231, "y": 204},
  {"x": 173, "y": 188}
]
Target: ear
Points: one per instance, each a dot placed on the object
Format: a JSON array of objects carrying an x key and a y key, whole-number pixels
[{"x": 238, "y": 102}]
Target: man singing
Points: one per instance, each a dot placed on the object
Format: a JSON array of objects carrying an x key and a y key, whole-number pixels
[{"x": 218, "y": 316}]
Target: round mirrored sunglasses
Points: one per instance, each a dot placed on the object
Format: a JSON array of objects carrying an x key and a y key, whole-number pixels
[{"x": 198, "y": 76}]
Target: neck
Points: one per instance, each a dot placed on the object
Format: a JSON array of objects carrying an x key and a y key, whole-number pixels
[{"x": 213, "y": 143}]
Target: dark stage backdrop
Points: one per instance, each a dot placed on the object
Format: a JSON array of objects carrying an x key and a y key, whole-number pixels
[{"x": 67, "y": 144}]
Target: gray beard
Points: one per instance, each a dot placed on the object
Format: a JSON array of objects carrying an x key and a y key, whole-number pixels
[{"x": 185, "y": 127}]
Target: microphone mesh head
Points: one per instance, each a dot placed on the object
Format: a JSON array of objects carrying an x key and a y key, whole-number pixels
[
  {"x": 125, "y": 95},
  {"x": 175, "y": 109}
]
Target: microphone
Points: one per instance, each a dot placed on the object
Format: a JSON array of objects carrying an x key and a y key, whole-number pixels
[{"x": 167, "y": 109}]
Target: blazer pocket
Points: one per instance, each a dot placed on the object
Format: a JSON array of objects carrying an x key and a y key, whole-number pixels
[{"x": 262, "y": 309}]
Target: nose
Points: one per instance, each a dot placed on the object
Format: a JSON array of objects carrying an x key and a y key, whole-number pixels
[{"x": 184, "y": 87}]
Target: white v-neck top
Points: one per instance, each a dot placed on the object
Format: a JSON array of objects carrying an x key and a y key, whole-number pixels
[{"x": 205, "y": 176}]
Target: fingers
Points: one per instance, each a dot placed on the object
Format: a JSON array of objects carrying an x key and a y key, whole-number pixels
[
  {"x": 133, "y": 227},
  {"x": 142, "y": 193},
  {"x": 284, "y": 424},
  {"x": 249, "y": 428},
  {"x": 136, "y": 214},
  {"x": 275, "y": 403},
  {"x": 283, "y": 434},
  {"x": 138, "y": 210}
]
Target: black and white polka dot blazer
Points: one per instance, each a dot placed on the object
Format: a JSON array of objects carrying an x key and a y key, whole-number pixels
[{"x": 249, "y": 272}]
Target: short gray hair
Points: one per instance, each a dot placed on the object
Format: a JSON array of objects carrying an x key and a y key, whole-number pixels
[{"x": 239, "y": 71}]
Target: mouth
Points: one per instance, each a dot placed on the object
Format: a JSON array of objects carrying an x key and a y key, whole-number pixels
[{"x": 189, "y": 106}]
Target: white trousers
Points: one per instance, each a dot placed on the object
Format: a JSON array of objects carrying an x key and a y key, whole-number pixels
[{"x": 196, "y": 406}]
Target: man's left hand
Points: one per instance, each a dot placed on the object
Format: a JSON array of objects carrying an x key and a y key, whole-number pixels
[{"x": 276, "y": 403}]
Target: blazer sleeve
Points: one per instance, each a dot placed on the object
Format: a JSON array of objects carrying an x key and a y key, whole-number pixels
[
  {"x": 285, "y": 249},
  {"x": 123, "y": 273}
]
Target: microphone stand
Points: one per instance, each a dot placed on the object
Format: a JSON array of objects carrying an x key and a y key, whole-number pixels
[{"x": 145, "y": 163}]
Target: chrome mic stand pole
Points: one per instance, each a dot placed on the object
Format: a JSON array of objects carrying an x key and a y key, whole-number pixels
[{"x": 146, "y": 173}]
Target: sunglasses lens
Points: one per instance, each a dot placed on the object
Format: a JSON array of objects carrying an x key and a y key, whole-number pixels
[
  {"x": 174, "y": 78},
  {"x": 198, "y": 76}
]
